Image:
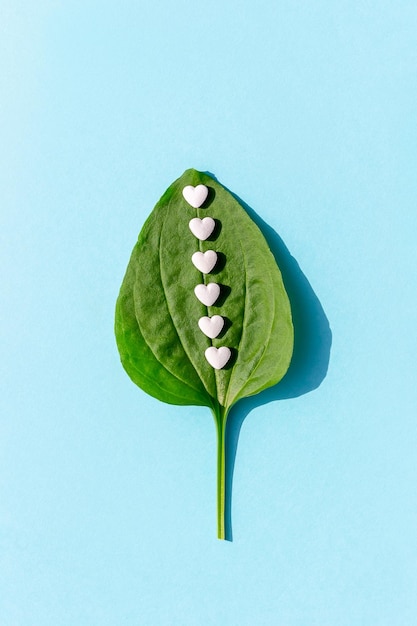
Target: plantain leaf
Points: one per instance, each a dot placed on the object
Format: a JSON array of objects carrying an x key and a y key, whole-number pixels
[{"x": 158, "y": 322}]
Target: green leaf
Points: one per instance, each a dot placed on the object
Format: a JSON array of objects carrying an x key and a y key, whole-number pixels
[{"x": 160, "y": 344}]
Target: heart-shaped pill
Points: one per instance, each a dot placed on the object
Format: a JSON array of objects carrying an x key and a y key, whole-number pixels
[
  {"x": 211, "y": 326},
  {"x": 202, "y": 229},
  {"x": 204, "y": 261},
  {"x": 218, "y": 357},
  {"x": 195, "y": 196},
  {"x": 207, "y": 294}
]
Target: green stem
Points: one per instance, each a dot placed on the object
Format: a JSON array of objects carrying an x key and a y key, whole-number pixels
[{"x": 220, "y": 418}]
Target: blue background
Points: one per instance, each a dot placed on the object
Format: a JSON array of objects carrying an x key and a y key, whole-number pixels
[{"x": 307, "y": 111}]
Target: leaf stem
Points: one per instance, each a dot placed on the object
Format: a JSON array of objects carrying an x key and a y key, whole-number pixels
[{"x": 220, "y": 416}]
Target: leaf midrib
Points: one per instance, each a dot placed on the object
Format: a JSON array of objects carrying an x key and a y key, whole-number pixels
[{"x": 200, "y": 247}]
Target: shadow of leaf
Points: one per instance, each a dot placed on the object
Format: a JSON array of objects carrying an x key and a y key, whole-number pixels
[{"x": 310, "y": 361}]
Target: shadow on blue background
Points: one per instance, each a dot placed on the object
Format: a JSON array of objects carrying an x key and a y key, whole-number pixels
[{"x": 310, "y": 360}]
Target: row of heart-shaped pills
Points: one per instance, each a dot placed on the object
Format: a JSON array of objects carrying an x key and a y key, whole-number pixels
[{"x": 205, "y": 263}]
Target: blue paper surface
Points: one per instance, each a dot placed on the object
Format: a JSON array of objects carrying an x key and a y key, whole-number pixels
[{"x": 107, "y": 497}]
